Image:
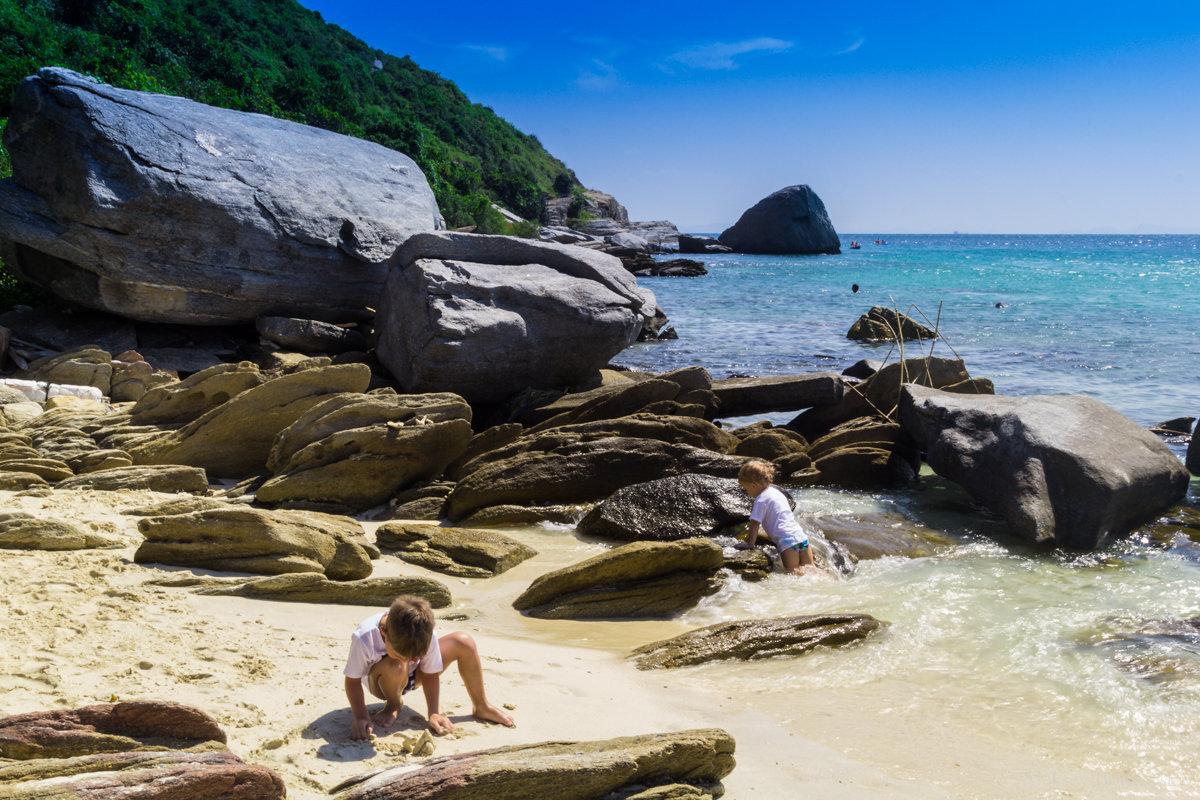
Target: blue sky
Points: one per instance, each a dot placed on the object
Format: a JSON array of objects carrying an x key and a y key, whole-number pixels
[{"x": 930, "y": 117}]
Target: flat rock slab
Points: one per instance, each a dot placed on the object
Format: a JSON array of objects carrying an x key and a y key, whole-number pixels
[
  {"x": 1066, "y": 470},
  {"x": 22, "y": 531},
  {"x": 149, "y": 751},
  {"x": 561, "y": 770},
  {"x": 257, "y": 541},
  {"x": 634, "y": 581},
  {"x": 742, "y": 397},
  {"x": 463, "y": 552},
  {"x": 869, "y": 536},
  {"x": 308, "y": 587},
  {"x": 751, "y": 640},
  {"x": 162, "y": 478}
]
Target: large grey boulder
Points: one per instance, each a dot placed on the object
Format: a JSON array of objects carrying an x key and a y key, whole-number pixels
[
  {"x": 792, "y": 221},
  {"x": 1066, "y": 470},
  {"x": 161, "y": 209},
  {"x": 487, "y": 316},
  {"x": 677, "y": 507}
]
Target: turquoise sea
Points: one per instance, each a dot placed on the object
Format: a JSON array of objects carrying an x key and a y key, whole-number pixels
[{"x": 1009, "y": 670}]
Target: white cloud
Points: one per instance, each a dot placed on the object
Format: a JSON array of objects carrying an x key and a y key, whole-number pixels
[
  {"x": 721, "y": 55},
  {"x": 492, "y": 51},
  {"x": 599, "y": 77},
  {"x": 857, "y": 44}
]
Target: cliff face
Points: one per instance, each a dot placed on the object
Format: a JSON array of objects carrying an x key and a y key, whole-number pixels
[{"x": 791, "y": 221}]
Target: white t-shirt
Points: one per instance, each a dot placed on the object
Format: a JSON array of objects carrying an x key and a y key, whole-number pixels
[
  {"x": 772, "y": 511},
  {"x": 367, "y": 649}
]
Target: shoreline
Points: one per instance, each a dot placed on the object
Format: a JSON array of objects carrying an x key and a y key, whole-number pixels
[{"x": 82, "y": 627}]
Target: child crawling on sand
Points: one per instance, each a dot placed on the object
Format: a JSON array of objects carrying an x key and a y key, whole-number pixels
[
  {"x": 772, "y": 514},
  {"x": 397, "y": 650}
]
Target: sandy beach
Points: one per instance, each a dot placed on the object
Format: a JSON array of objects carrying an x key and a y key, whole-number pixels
[{"x": 84, "y": 627}]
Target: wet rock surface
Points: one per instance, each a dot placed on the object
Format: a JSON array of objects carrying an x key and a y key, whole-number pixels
[
  {"x": 669, "y": 509},
  {"x": 755, "y": 639}
]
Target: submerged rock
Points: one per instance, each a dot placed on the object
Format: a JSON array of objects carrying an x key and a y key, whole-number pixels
[
  {"x": 634, "y": 581},
  {"x": 561, "y": 770},
  {"x": 751, "y": 640}
]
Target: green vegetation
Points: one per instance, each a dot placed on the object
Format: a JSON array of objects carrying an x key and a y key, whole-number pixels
[{"x": 276, "y": 57}]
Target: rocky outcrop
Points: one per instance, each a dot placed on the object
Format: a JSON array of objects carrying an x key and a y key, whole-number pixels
[
  {"x": 635, "y": 581},
  {"x": 235, "y": 215},
  {"x": 152, "y": 751},
  {"x": 669, "y": 509},
  {"x": 883, "y": 324},
  {"x": 195, "y": 395},
  {"x": 462, "y": 552},
  {"x": 682, "y": 764},
  {"x": 791, "y": 221},
  {"x": 234, "y": 438},
  {"x": 487, "y": 316},
  {"x": 359, "y": 450},
  {"x": 309, "y": 587},
  {"x": 256, "y": 541},
  {"x": 691, "y": 243},
  {"x": 310, "y": 335},
  {"x": 739, "y": 397},
  {"x": 23, "y": 531},
  {"x": 864, "y": 537},
  {"x": 751, "y": 640},
  {"x": 580, "y": 471},
  {"x": 162, "y": 478},
  {"x": 1066, "y": 470}
]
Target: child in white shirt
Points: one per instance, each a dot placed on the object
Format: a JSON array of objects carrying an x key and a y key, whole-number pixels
[
  {"x": 397, "y": 650},
  {"x": 773, "y": 515}
]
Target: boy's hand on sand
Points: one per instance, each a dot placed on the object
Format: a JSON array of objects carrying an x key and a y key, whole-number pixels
[
  {"x": 440, "y": 724},
  {"x": 361, "y": 729}
]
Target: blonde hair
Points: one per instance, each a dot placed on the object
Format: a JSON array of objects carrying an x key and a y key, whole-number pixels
[
  {"x": 757, "y": 471},
  {"x": 409, "y": 626}
]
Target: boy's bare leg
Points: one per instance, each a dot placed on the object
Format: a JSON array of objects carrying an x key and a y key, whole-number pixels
[
  {"x": 460, "y": 647},
  {"x": 387, "y": 680}
]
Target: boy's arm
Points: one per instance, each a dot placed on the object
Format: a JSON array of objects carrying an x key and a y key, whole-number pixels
[
  {"x": 432, "y": 686},
  {"x": 361, "y": 727}
]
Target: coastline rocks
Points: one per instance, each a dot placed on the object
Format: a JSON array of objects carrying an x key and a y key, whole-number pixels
[
  {"x": 1066, "y": 470},
  {"x": 669, "y": 509},
  {"x": 310, "y": 335},
  {"x": 756, "y": 639},
  {"x": 152, "y": 751},
  {"x": 870, "y": 536},
  {"x": 199, "y": 393},
  {"x": 462, "y": 552},
  {"x": 487, "y": 316},
  {"x": 84, "y": 366},
  {"x": 309, "y": 587},
  {"x": 162, "y": 478},
  {"x": 883, "y": 324},
  {"x": 360, "y": 450},
  {"x": 635, "y": 581},
  {"x": 580, "y": 471},
  {"x": 234, "y": 439},
  {"x": 738, "y": 397},
  {"x": 681, "y": 764},
  {"x": 167, "y": 210},
  {"x": 791, "y": 221},
  {"x": 256, "y": 541},
  {"x": 23, "y": 531},
  {"x": 695, "y": 244}
]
